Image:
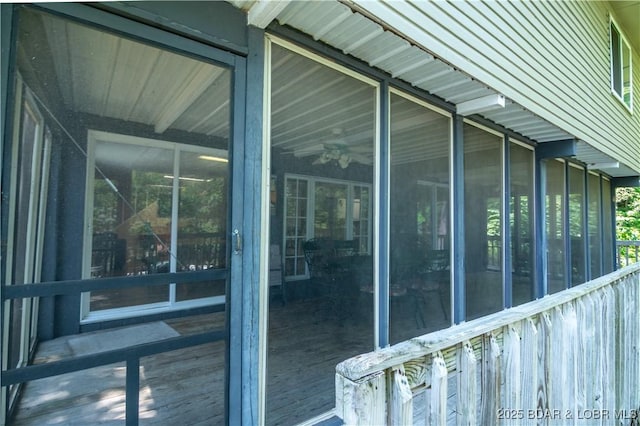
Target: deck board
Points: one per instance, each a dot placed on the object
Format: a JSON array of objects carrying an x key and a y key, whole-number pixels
[{"x": 306, "y": 342}]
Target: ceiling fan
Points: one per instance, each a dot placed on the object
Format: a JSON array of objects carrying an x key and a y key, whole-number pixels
[{"x": 334, "y": 150}]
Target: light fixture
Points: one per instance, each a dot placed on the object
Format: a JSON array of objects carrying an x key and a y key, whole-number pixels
[
  {"x": 188, "y": 179},
  {"x": 212, "y": 158},
  {"x": 600, "y": 166},
  {"x": 483, "y": 104}
]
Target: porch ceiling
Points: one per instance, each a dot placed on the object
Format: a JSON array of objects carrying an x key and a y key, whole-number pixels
[
  {"x": 111, "y": 77},
  {"x": 336, "y": 24}
]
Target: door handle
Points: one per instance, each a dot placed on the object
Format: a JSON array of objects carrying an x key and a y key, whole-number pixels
[{"x": 237, "y": 241}]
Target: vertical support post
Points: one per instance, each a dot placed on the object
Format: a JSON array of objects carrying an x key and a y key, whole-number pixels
[
  {"x": 458, "y": 298},
  {"x": 132, "y": 395},
  {"x": 244, "y": 373},
  {"x": 467, "y": 385},
  {"x": 439, "y": 394},
  {"x": 610, "y": 318},
  {"x": 363, "y": 401},
  {"x": 507, "y": 277},
  {"x": 567, "y": 229},
  {"x": 491, "y": 382},
  {"x": 383, "y": 213},
  {"x": 7, "y": 92},
  {"x": 401, "y": 406},
  {"x": 571, "y": 358},
  {"x": 512, "y": 368}
]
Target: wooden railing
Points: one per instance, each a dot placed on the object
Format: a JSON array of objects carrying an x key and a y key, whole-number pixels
[
  {"x": 568, "y": 358},
  {"x": 628, "y": 252}
]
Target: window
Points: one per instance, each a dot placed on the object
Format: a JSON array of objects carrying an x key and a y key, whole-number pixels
[
  {"x": 555, "y": 225},
  {"x": 323, "y": 121},
  {"x": 419, "y": 218},
  {"x": 521, "y": 213},
  {"x": 336, "y": 210},
  {"x": 577, "y": 224},
  {"x": 25, "y": 240},
  {"x": 595, "y": 225},
  {"x": 620, "y": 66},
  {"x": 144, "y": 221},
  {"x": 483, "y": 196},
  {"x": 607, "y": 226}
]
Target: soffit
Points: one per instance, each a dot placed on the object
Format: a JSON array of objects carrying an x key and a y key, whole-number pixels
[
  {"x": 627, "y": 14},
  {"x": 337, "y": 25}
]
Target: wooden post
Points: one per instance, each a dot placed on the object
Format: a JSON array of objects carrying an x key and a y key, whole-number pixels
[
  {"x": 544, "y": 361},
  {"x": 513, "y": 375},
  {"x": 491, "y": 380},
  {"x": 570, "y": 385},
  {"x": 596, "y": 363},
  {"x": 438, "y": 400},
  {"x": 467, "y": 398},
  {"x": 529, "y": 357},
  {"x": 608, "y": 350},
  {"x": 559, "y": 356},
  {"x": 585, "y": 335},
  {"x": 363, "y": 401},
  {"x": 401, "y": 409}
]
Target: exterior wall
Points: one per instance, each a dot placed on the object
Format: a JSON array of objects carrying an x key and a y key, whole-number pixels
[{"x": 550, "y": 57}]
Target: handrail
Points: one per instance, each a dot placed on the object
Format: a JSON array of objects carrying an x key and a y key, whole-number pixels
[
  {"x": 525, "y": 358},
  {"x": 130, "y": 355},
  {"x": 628, "y": 252},
  {"x": 58, "y": 288}
]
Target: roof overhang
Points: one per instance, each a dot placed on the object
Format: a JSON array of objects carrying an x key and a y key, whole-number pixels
[{"x": 370, "y": 42}]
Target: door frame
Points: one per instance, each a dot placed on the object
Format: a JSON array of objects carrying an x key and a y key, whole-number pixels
[{"x": 131, "y": 22}]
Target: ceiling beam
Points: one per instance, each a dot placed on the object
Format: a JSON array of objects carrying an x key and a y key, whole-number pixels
[
  {"x": 557, "y": 149},
  {"x": 626, "y": 182}
]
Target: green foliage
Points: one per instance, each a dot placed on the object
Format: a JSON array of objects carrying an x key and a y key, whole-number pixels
[{"x": 628, "y": 214}]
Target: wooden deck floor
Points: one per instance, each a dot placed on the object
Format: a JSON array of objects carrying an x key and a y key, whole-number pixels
[{"x": 306, "y": 341}]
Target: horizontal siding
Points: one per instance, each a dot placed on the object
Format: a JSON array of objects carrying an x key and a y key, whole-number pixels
[{"x": 550, "y": 57}]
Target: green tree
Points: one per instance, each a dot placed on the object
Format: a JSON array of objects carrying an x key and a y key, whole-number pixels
[{"x": 628, "y": 214}]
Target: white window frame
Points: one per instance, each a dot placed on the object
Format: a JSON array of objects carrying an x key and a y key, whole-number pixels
[
  {"x": 623, "y": 44},
  {"x": 25, "y": 102},
  {"x": 86, "y": 315},
  {"x": 310, "y": 217}
]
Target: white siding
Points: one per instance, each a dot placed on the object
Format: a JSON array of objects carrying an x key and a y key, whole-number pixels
[{"x": 550, "y": 57}]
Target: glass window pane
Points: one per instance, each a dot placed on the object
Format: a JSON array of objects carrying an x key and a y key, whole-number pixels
[
  {"x": 330, "y": 211},
  {"x": 131, "y": 227},
  {"x": 130, "y": 104},
  {"x": 521, "y": 223},
  {"x": 595, "y": 225},
  {"x": 322, "y": 138},
  {"x": 576, "y": 225},
  {"x": 607, "y": 226},
  {"x": 554, "y": 205},
  {"x": 483, "y": 221},
  {"x": 419, "y": 223},
  {"x": 123, "y": 112}
]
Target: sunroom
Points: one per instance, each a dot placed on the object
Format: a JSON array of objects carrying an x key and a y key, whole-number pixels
[{"x": 202, "y": 229}]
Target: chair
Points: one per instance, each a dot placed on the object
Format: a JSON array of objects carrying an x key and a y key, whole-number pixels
[
  {"x": 325, "y": 271},
  {"x": 436, "y": 273},
  {"x": 276, "y": 275}
]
